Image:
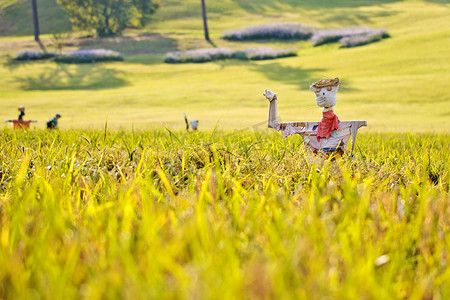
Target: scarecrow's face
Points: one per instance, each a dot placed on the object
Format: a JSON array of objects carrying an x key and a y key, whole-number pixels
[{"x": 325, "y": 96}]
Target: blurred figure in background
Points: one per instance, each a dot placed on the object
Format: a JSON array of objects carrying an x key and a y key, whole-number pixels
[
  {"x": 194, "y": 124},
  {"x": 22, "y": 113},
  {"x": 20, "y": 123},
  {"x": 53, "y": 123}
]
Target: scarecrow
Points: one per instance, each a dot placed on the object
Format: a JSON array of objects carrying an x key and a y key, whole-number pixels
[
  {"x": 20, "y": 123},
  {"x": 325, "y": 91},
  {"x": 328, "y": 135}
]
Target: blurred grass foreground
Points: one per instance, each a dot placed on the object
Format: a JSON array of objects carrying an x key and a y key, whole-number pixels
[
  {"x": 221, "y": 215},
  {"x": 390, "y": 83}
]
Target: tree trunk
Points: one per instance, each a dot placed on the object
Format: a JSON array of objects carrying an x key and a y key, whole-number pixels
[
  {"x": 36, "y": 25},
  {"x": 35, "y": 20},
  {"x": 205, "y": 22}
]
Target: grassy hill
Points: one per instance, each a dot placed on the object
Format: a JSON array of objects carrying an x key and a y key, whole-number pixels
[
  {"x": 16, "y": 17},
  {"x": 397, "y": 84}
]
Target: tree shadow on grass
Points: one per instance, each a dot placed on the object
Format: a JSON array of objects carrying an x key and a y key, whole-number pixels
[
  {"x": 349, "y": 17},
  {"x": 261, "y": 6},
  {"x": 74, "y": 77},
  {"x": 142, "y": 44},
  {"x": 302, "y": 78},
  {"x": 277, "y": 72},
  {"x": 443, "y": 2}
]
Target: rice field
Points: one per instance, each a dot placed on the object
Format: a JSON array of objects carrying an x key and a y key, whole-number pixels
[{"x": 100, "y": 214}]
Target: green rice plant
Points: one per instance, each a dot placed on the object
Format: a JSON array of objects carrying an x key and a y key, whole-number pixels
[{"x": 220, "y": 215}]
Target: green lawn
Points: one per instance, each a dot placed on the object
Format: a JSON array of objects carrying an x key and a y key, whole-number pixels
[{"x": 398, "y": 84}]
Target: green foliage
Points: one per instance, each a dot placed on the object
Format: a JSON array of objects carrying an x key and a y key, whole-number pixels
[
  {"x": 221, "y": 215},
  {"x": 348, "y": 37},
  {"x": 59, "y": 39},
  {"x": 360, "y": 40},
  {"x": 34, "y": 55},
  {"x": 215, "y": 54},
  {"x": 89, "y": 56},
  {"x": 76, "y": 59},
  {"x": 283, "y": 31},
  {"x": 109, "y": 17}
]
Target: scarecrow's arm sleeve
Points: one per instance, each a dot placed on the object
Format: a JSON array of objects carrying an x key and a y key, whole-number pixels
[{"x": 273, "y": 123}]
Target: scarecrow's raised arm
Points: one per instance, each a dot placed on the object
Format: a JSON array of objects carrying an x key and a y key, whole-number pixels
[
  {"x": 272, "y": 97},
  {"x": 273, "y": 122}
]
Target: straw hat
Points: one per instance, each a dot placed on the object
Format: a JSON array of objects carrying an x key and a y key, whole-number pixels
[{"x": 328, "y": 83}]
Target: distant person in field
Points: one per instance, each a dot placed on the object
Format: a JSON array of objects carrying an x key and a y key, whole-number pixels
[
  {"x": 53, "y": 123},
  {"x": 22, "y": 112}
]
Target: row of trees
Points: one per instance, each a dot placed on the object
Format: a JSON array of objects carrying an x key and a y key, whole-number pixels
[{"x": 109, "y": 17}]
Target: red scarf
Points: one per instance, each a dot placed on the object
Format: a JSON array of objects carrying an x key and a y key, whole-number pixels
[{"x": 326, "y": 126}]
